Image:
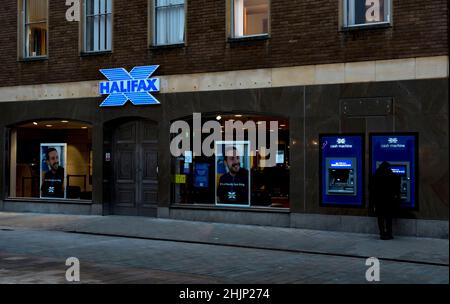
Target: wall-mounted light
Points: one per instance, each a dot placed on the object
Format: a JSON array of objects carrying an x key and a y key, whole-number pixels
[{"x": 219, "y": 117}]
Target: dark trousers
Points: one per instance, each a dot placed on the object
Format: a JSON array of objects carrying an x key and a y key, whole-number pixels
[{"x": 385, "y": 225}]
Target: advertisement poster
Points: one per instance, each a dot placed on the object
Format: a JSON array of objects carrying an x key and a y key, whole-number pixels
[
  {"x": 53, "y": 173},
  {"x": 201, "y": 175},
  {"x": 232, "y": 173}
]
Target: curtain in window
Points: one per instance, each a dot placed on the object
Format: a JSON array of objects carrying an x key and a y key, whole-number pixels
[
  {"x": 238, "y": 18},
  {"x": 169, "y": 15}
]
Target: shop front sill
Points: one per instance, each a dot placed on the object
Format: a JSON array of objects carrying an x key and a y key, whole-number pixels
[
  {"x": 231, "y": 208},
  {"x": 48, "y": 201}
]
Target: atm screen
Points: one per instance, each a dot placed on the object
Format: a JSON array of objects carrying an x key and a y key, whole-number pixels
[
  {"x": 339, "y": 164},
  {"x": 398, "y": 170},
  {"x": 339, "y": 176}
]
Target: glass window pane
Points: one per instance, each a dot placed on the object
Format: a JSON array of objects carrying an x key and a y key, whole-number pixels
[
  {"x": 197, "y": 178},
  {"x": 32, "y": 163},
  {"x": 162, "y": 2},
  {"x": 90, "y": 7},
  {"x": 169, "y": 22},
  {"x": 36, "y": 10},
  {"x": 98, "y": 29},
  {"x": 367, "y": 11},
  {"x": 102, "y": 36},
  {"x": 36, "y": 39},
  {"x": 251, "y": 17},
  {"x": 89, "y": 33},
  {"x": 109, "y": 6},
  {"x": 109, "y": 33}
]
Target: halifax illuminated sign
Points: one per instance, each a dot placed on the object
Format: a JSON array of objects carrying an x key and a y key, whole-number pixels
[{"x": 134, "y": 86}]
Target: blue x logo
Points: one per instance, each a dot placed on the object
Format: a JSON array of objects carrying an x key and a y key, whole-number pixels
[{"x": 134, "y": 86}]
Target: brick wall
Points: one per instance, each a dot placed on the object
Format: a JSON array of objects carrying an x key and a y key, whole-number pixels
[{"x": 302, "y": 33}]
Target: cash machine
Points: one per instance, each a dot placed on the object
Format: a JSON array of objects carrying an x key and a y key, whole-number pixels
[
  {"x": 341, "y": 172},
  {"x": 400, "y": 151},
  {"x": 341, "y": 176}
]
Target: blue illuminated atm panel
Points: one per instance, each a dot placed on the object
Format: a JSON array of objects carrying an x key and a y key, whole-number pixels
[
  {"x": 400, "y": 151},
  {"x": 341, "y": 170}
]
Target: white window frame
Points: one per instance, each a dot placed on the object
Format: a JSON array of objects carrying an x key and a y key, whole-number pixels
[
  {"x": 155, "y": 21},
  {"x": 232, "y": 23},
  {"x": 346, "y": 15},
  {"x": 102, "y": 33},
  {"x": 25, "y": 47}
]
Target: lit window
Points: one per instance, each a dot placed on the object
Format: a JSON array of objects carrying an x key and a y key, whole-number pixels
[
  {"x": 35, "y": 17},
  {"x": 366, "y": 12},
  {"x": 250, "y": 17},
  {"x": 51, "y": 159},
  {"x": 169, "y": 22},
  {"x": 97, "y": 25},
  {"x": 238, "y": 172}
]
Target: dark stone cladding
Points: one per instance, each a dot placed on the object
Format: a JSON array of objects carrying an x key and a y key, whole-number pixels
[{"x": 419, "y": 106}]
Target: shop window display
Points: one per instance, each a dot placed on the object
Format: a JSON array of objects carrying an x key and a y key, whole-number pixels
[
  {"x": 51, "y": 160},
  {"x": 241, "y": 179}
]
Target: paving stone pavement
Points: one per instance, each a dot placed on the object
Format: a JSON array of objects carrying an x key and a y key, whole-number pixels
[
  {"x": 29, "y": 255},
  {"x": 413, "y": 249}
]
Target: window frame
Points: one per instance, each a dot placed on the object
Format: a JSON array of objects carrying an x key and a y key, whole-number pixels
[
  {"x": 153, "y": 28},
  {"x": 83, "y": 29},
  {"x": 11, "y": 148},
  {"x": 231, "y": 22},
  {"x": 22, "y": 32},
  {"x": 344, "y": 5},
  {"x": 211, "y": 205}
]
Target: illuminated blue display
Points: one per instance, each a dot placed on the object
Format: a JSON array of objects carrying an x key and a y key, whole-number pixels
[
  {"x": 339, "y": 164},
  {"x": 134, "y": 86},
  {"x": 399, "y": 170},
  {"x": 342, "y": 152},
  {"x": 394, "y": 148}
]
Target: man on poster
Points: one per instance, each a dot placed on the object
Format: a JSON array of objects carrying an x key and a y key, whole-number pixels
[
  {"x": 53, "y": 182},
  {"x": 233, "y": 187}
]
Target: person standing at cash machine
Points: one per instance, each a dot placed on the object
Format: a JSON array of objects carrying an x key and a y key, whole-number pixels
[{"x": 384, "y": 199}]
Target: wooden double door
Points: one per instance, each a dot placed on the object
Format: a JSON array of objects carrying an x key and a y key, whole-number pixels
[{"x": 135, "y": 161}]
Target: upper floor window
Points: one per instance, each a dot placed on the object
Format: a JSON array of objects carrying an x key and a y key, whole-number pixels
[
  {"x": 97, "y": 27},
  {"x": 169, "y": 22},
  {"x": 34, "y": 16},
  {"x": 249, "y": 17},
  {"x": 366, "y": 12}
]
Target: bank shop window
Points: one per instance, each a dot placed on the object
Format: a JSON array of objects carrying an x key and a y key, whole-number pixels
[
  {"x": 34, "y": 29},
  {"x": 169, "y": 22},
  {"x": 97, "y": 25},
  {"x": 366, "y": 12},
  {"x": 249, "y": 17},
  {"x": 50, "y": 160},
  {"x": 238, "y": 173}
]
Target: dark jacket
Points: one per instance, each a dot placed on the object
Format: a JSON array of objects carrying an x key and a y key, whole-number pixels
[{"x": 384, "y": 190}]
